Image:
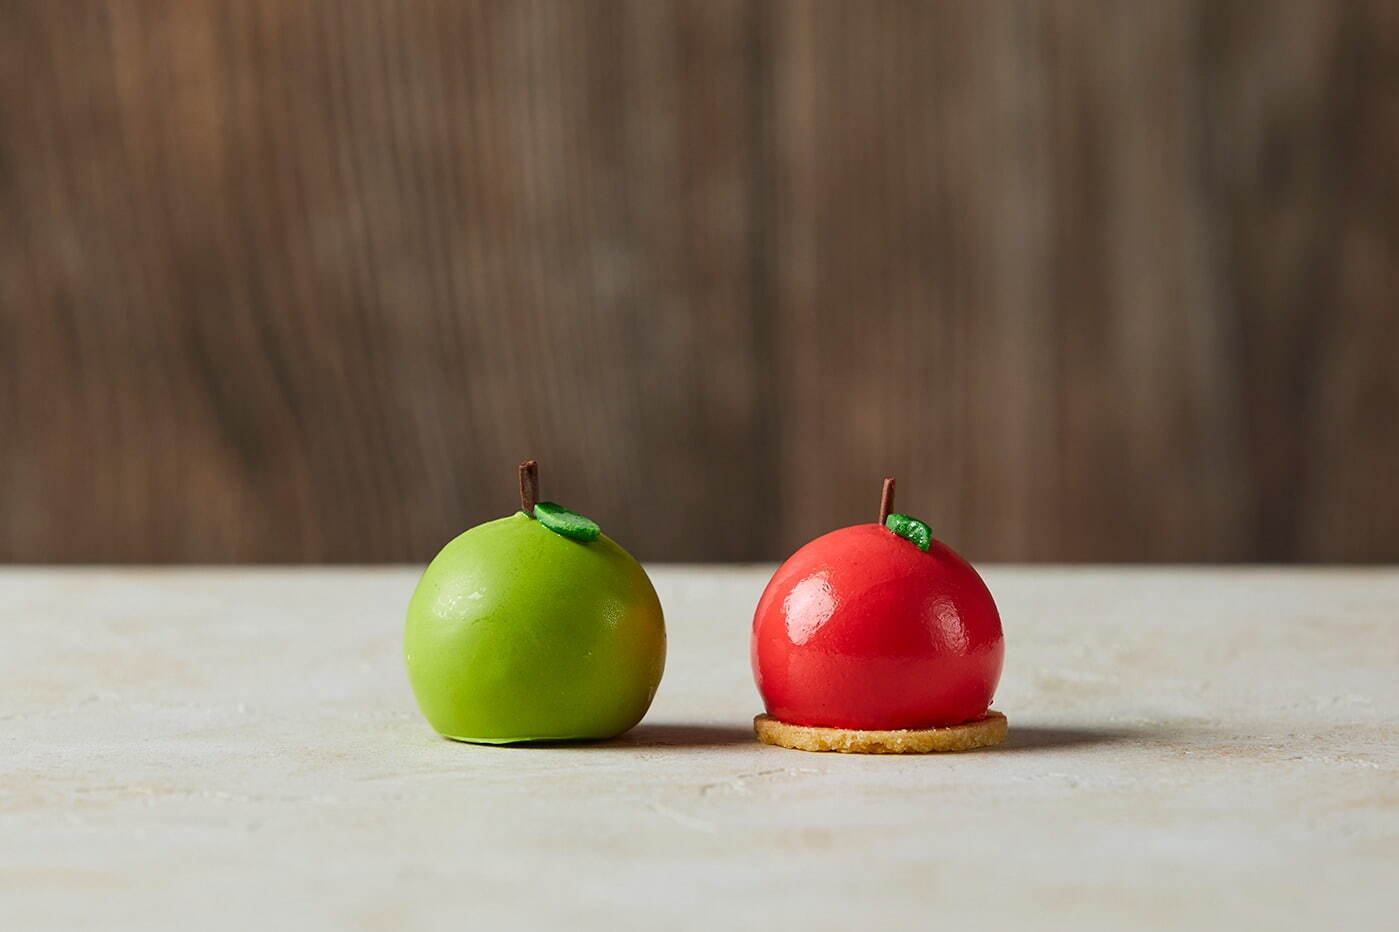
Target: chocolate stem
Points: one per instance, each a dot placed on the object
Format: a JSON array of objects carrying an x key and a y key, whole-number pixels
[
  {"x": 529, "y": 486},
  {"x": 886, "y": 500}
]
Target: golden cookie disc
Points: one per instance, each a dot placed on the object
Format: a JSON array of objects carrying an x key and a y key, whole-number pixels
[{"x": 985, "y": 731}]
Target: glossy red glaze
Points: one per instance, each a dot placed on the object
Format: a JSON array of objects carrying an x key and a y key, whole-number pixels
[{"x": 861, "y": 629}]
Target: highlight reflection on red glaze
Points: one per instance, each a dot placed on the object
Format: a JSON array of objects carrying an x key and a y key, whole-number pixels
[{"x": 861, "y": 629}]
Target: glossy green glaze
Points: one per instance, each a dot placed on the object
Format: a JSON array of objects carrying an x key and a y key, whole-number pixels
[{"x": 517, "y": 633}]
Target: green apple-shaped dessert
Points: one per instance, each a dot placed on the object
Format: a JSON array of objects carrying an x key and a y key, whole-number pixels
[{"x": 535, "y": 627}]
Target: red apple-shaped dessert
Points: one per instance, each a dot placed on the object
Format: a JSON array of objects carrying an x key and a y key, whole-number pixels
[{"x": 878, "y": 638}]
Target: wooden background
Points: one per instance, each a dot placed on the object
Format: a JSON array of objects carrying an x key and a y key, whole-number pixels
[{"x": 290, "y": 281}]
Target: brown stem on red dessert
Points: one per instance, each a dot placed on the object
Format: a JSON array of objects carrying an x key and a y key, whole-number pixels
[
  {"x": 529, "y": 486},
  {"x": 886, "y": 500}
]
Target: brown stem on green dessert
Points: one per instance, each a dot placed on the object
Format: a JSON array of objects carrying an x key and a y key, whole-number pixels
[
  {"x": 529, "y": 486},
  {"x": 886, "y": 500}
]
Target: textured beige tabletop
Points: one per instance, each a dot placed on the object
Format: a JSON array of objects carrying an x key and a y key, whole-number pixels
[{"x": 238, "y": 749}]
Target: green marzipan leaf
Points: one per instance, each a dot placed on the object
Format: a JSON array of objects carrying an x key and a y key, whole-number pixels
[
  {"x": 910, "y": 529},
  {"x": 568, "y": 523}
]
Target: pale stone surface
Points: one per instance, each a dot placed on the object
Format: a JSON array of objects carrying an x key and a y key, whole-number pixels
[{"x": 237, "y": 749}]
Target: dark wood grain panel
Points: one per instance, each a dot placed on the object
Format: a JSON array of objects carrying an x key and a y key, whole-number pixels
[
  {"x": 1148, "y": 454},
  {"x": 909, "y": 242},
  {"x": 1301, "y": 140},
  {"x": 1029, "y": 260},
  {"x": 302, "y": 281},
  {"x": 305, "y": 281},
  {"x": 991, "y": 248}
]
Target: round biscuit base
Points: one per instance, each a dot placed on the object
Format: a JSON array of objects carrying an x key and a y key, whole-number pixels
[{"x": 984, "y": 732}]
